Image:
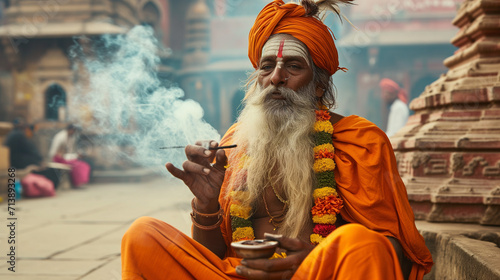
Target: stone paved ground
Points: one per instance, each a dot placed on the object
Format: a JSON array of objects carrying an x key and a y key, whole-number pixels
[{"x": 77, "y": 233}]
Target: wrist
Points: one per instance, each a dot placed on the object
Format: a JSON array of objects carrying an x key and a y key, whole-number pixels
[
  {"x": 200, "y": 207},
  {"x": 208, "y": 220}
]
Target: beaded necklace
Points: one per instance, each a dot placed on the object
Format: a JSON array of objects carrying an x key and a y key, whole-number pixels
[{"x": 327, "y": 203}]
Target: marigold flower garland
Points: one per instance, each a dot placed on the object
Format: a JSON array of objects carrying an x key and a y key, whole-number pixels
[
  {"x": 240, "y": 217},
  {"x": 327, "y": 203}
]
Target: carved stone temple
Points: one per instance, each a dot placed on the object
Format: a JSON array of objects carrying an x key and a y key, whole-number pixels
[{"x": 449, "y": 151}]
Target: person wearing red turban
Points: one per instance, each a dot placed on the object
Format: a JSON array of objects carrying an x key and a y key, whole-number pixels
[
  {"x": 396, "y": 99},
  {"x": 324, "y": 186}
]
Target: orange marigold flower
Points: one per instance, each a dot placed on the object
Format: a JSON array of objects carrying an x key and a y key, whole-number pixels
[
  {"x": 323, "y": 154},
  {"x": 322, "y": 115},
  {"x": 327, "y": 205}
]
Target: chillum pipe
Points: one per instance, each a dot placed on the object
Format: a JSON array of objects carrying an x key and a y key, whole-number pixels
[{"x": 210, "y": 148}]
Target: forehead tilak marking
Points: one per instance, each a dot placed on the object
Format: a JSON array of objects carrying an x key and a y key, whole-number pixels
[
  {"x": 276, "y": 46},
  {"x": 279, "y": 55},
  {"x": 280, "y": 49}
]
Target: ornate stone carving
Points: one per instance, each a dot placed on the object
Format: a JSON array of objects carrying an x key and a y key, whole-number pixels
[
  {"x": 444, "y": 189},
  {"x": 471, "y": 166},
  {"x": 436, "y": 166},
  {"x": 491, "y": 215},
  {"x": 495, "y": 191},
  {"x": 419, "y": 159},
  {"x": 453, "y": 140},
  {"x": 457, "y": 162},
  {"x": 492, "y": 170}
]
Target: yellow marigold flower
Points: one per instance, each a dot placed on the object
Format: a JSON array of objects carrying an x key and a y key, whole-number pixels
[
  {"x": 316, "y": 238},
  {"x": 324, "y": 164},
  {"x": 326, "y": 191},
  {"x": 243, "y": 233},
  {"x": 240, "y": 211},
  {"x": 325, "y": 126},
  {"x": 328, "y": 147},
  {"x": 239, "y": 195},
  {"x": 325, "y": 219},
  {"x": 278, "y": 256}
]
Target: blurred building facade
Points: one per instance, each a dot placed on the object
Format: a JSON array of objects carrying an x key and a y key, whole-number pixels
[
  {"x": 37, "y": 72},
  {"x": 208, "y": 40},
  {"x": 405, "y": 41},
  {"x": 35, "y": 64}
]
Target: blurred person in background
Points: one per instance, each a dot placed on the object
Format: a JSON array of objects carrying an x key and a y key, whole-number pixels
[
  {"x": 25, "y": 155},
  {"x": 324, "y": 186},
  {"x": 63, "y": 150},
  {"x": 396, "y": 99}
]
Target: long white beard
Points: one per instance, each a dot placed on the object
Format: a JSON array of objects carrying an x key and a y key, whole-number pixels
[{"x": 277, "y": 136}]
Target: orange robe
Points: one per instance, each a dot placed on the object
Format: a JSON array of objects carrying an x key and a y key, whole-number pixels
[
  {"x": 152, "y": 249},
  {"x": 374, "y": 197}
]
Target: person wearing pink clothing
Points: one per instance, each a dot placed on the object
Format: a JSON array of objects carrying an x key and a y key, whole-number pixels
[{"x": 63, "y": 150}]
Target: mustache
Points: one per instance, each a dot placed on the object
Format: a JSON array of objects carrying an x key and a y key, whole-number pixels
[
  {"x": 301, "y": 97},
  {"x": 286, "y": 93}
]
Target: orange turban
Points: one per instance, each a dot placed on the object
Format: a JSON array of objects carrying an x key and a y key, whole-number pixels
[{"x": 278, "y": 17}]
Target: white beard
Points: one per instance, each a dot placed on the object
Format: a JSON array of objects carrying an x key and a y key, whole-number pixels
[{"x": 277, "y": 136}]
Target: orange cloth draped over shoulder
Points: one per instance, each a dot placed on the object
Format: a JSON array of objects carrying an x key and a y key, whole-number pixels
[
  {"x": 369, "y": 183},
  {"x": 278, "y": 17}
]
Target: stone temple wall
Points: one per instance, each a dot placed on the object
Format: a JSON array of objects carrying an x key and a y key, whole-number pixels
[{"x": 449, "y": 151}]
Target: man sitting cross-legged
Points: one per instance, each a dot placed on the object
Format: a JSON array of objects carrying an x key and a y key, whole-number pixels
[{"x": 326, "y": 187}]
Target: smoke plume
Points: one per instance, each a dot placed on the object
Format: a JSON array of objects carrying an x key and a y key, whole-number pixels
[{"x": 121, "y": 99}]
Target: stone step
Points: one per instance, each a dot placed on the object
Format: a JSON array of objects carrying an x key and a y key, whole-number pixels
[{"x": 462, "y": 251}]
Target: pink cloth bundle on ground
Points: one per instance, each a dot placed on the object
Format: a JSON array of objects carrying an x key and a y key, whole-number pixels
[{"x": 35, "y": 185}]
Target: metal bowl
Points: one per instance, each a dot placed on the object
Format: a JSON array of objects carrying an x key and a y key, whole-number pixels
[{"x": 255, "y": 249}]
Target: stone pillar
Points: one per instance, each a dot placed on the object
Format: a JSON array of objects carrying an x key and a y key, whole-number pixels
[{"x": 449, "y": 151}]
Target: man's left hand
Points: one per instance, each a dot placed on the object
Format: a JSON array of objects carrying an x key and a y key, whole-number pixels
[{"x": 297, "y": 251}]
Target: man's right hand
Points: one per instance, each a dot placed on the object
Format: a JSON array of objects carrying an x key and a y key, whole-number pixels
[{"x": 203, "y": 178}]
